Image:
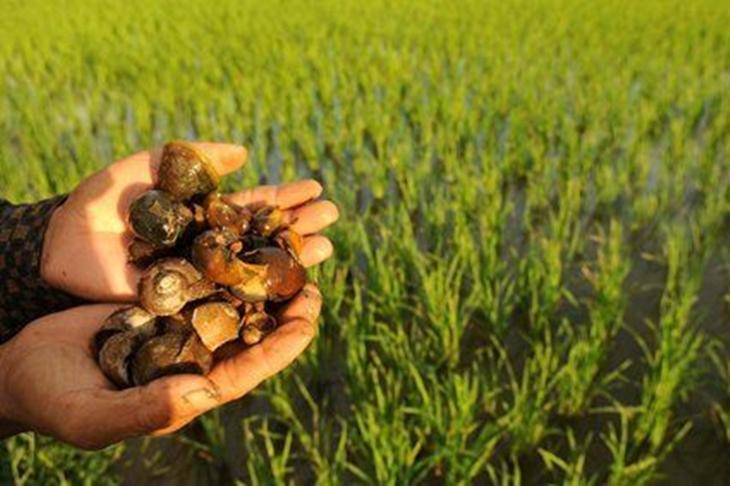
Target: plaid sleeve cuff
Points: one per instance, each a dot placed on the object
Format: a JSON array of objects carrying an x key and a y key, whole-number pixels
[{"x": 23, "y": 295}]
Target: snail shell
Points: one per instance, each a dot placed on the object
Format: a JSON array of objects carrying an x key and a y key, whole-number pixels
[
  {"x": 267, "y": 220},
  {"x": 157, "y": 218},
  {"x": 129, "y": 319},
  {"x": 285, "y": 275},
  {"x": 169, "y": 284},
  {"x": 256, "y": 325},
  {"x": 290, "y": 241},
  {"x": 216, "y": 323},
  {"x": 168, "y": 354},
  {"x": 212, "y": 255},
  {"x": 186, "y": 171},
  {"x": 222, "y": 214},
  {"x": 114, "y": 357}
]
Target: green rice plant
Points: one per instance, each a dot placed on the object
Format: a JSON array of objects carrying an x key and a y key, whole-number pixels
[
  {"x": 268, "y": 461},
  {"x": 590, "y": 347},
  {"x": 572, "y": 468},
  {"x": 679, "y": 344},
  {"x": 33, "y": 459},
  {"x": 526, "y": 409},
  {"x": 627, "y": 465}
]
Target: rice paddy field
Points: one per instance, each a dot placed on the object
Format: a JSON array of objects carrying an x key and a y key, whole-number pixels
[{"x": 531, "y": 280}]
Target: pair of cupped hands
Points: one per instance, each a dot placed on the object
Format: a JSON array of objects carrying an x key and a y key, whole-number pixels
[{"x": 49, "y": 379}]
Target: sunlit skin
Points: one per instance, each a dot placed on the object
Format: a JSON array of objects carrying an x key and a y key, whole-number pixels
[{"x": 49, "y": 380}]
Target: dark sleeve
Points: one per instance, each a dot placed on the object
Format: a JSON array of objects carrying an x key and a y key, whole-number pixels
[{"x": 23, "y": 295}]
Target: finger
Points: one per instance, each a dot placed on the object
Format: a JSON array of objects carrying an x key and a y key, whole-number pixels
[
  {"x": 236, "y": 376},
  {"x": 316, "y": 249},
  {"x": 284, "y": 196},
  {"x": 313, "y": 217}
]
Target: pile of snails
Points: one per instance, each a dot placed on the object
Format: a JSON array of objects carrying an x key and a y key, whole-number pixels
[{"x": 212, "y": 272}]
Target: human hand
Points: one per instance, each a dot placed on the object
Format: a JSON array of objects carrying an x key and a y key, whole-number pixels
[
  {"x": 85, "y": 247},
  {"x": 51, "y": 383}
]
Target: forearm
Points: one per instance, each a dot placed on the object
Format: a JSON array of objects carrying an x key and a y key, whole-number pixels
[{"x": 23, "y": 294}]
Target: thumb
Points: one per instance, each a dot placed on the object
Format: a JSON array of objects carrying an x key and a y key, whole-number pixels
[{"x": 160, "y": 407}]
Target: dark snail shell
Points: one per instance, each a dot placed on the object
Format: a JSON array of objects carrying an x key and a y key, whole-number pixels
[
  {"x": 216, "y": 323},
  {"x": 181, "y": 323},
  {"x": 186, "y": 171},
  {"x": 114, "y": 357},
  {"x": 168, "y": 354},
  {"x": 169, "y": 284},
  {"x": 157, "y": 218},
  {"x": 133, "y": 319}
]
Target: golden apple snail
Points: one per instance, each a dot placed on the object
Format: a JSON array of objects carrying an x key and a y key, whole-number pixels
[{"x": 212, "y": 270}]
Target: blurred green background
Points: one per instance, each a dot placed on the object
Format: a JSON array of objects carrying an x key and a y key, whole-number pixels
[{"x": 531, "y": 276}]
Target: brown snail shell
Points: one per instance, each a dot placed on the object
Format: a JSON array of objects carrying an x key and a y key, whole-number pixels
[
  {"x": 267, "y": 220},
  {"x": 186, "y": 171},
  {"x": 157, "y": 218},
  {"x": 285, "y": 275},
  {"x": 252, "y": 290},
  {"x": 169, "y": 354},
  {"x": 290, "y": 241},
  {"x": 133, "y": 319},
  {"x": 213, "y": 255},
  {"x": 169, "y": 284},
  {"x": 256, "y": 326},
  {"x": 114, "y": 357},
  {"x": 222, "y": 214},
  {"x": 216, "y": 323}
]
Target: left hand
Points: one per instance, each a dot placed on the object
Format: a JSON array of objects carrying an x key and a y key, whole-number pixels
[{"x": 85, "y": 246}]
